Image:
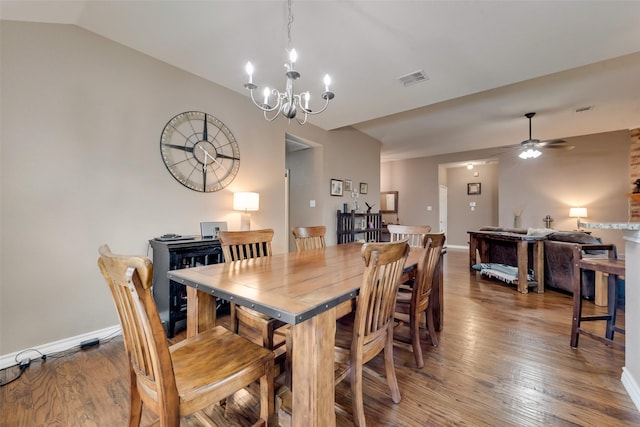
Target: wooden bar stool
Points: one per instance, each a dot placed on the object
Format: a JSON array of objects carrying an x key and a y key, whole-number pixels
[{"x": 614, "y": 267}]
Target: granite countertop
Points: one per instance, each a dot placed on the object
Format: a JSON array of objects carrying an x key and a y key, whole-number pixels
[{"x": 635, "y": 226}]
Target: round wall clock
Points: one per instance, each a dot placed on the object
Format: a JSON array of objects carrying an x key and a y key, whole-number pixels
[{"x": 200, "y": 151}]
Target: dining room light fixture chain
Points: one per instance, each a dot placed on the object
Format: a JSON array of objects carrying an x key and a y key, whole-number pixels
[{"x": 287, "y": 102}]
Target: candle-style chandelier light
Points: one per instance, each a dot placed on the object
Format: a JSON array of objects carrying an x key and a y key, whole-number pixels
[{"x": 288, "y": 103}]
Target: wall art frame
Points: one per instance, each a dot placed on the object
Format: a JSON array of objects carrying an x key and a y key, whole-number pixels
[
  {"x": 474, "y": 188},
  {"x": 336, "y": 188}
]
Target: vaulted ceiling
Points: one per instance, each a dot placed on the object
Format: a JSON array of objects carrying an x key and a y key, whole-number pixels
[{"x": 487, "y": 62}]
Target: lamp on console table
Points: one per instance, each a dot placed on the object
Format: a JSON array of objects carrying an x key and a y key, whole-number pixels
[
  {"x": 578, "y": 213},
  {"x": 246, "y": 201}
]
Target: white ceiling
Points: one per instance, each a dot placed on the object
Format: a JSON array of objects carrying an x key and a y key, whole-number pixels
[{"x": 488, "y": 62}]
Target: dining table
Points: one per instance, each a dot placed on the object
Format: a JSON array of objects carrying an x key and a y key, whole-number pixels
[{"x": 303, "y": 289}]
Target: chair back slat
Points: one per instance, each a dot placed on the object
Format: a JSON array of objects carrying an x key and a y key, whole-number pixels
[
  {"x": 384, "y": 263},
  {"x": 414, "y": 233},
  {"x": 239, "y": 245},
  {"x": 307, "y": 238},
  {"x": 427, "y": 267},
  {"x": 129, "y": 279}
]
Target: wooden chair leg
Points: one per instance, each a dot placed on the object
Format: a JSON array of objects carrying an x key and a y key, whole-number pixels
[
  {"x": 267, "y": 396},
  {"x": 577, "y": 309},
  {"x": 233, "y": 318},
  {"x": 288, "y": 361},
  {"x": 357, "y": 397},
  {"x": 267, "y": 335},
  {"x": 612, "y": 293},
  {"x": 390, "y": 368},
  {"x": 431, "y": 327},
  {"x": 135, "y": 413},
  {"x": 169, "y": 415},
  {"x": 414, "y": 330}
]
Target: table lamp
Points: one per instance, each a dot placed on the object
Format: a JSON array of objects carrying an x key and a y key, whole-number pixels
[
  {"x": 578, "y": 213},
  {"x": 246, "y": 201}
]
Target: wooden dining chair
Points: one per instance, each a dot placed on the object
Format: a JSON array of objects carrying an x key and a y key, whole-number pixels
[
  {"x": 411, "y": 303},
  {"x": 187, "y": 377},
  {"x": 241, "y": 245},
  {"x": 309, "y": 237},
  {"x": 415, "y": 233},
  {"x": 364, "y": 333}
]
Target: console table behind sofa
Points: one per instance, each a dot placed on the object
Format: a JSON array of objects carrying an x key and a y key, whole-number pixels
[{"x": 482, "y": 241}]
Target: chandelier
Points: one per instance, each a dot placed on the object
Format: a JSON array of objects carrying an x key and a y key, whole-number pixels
[{"x": 287, "y": 103}]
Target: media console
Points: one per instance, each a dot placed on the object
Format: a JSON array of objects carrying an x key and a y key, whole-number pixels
[{"x": 171, "y": 297}]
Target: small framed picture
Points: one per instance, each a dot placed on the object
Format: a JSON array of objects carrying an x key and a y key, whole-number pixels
[
  {"x": 336, "y": 187},
  {"x": 473, "y": 188},
  {"x": 348, "y": 185},
  {"x": 364, "y": 188}
]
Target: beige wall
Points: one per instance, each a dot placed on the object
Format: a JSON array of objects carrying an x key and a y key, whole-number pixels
[
  {"x": 595, "y": 174},
  {"x": 416, "y": 181},
  {"x": 458, "y": 209},
  {"x": 81, "y": 166}
]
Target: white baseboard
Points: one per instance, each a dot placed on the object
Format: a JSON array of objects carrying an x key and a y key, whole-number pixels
[
  {"x": 631, "y": 385},
  {"x": 7, "y": 360}
]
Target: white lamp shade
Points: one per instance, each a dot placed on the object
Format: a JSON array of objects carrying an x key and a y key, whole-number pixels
[
  {"x": 246, "y": 201},
  {"x": 578, "y": 212}
]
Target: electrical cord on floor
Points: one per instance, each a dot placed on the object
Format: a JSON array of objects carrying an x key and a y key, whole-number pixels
[
  {"x": 24, "y": 363},
  {"x": 23, "y": 366}
]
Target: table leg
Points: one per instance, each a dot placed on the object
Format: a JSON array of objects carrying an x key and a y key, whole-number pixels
[
  {"x": 313, "y": 378},
  {"x": 523, "y": 265},
  {"x": 538, "y": 264},
  {"x": 601, "y": 297},
  {"x": 201, "y": 311},
  {"x": 437, "y": 296},
  {"x": 473, "y": 245},
  {"x": 612, "y": 293}
]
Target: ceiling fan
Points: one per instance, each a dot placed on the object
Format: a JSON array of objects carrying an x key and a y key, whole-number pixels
[{"x": 530, "y": 146}]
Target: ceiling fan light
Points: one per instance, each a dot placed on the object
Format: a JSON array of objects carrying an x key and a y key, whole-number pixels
[{"x": 530, "y": 153}]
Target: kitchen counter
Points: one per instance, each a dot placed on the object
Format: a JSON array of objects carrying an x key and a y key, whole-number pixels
[{"x": 632, "y": 226}]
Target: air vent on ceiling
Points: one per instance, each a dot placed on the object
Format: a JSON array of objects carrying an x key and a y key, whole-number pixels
[
  {"x": 583, "y": 109},
  {"x": 413, "y": 78}
]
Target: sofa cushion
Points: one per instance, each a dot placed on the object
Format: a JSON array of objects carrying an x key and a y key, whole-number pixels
[
  {"x": 577, "y": 237},
  {"x": 504, "y": 229},
  {"x": 574, "y": 237},
  {"x": 541, "y": 232}
]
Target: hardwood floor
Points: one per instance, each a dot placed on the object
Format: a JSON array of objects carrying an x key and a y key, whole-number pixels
[{"x": 503, "y": 360}]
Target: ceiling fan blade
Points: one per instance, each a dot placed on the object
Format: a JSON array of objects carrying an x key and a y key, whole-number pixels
[
  {"x": 557, "y": 144},
  {"x": 559, "y": 147},
  {"x": 552, "y": 142}
]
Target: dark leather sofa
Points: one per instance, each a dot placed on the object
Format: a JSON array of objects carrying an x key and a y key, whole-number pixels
[{"x": 560, "y": 251}]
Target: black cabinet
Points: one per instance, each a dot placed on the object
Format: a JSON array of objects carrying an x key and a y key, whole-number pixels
[
  {"x": 171, "y": 297},
  {"x": 352, "y": 227}
]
